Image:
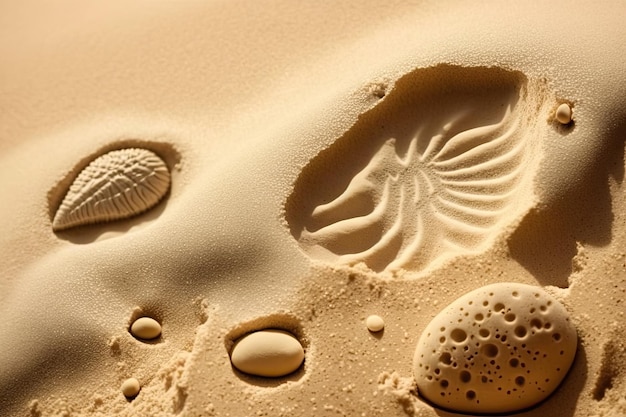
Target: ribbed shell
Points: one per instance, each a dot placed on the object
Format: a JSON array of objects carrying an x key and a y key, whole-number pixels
[{"x": 116, "y": 185}]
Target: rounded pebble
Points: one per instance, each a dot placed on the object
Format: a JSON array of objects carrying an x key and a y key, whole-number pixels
[
  {"x": 498, "y": 349},
  {"x": 146, "y": 328},
  {"x": 375, "y": 323},
  {"x": 563, "y": 114},
  {"x": 268, "y": 353},
  {"x": 130, "y": 388}
]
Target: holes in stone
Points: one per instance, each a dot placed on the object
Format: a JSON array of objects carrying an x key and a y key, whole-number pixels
[
  {"x": 458, "y": 335},
  {"x": 515, "y": 294},
  {"x": 536, "y": 323},
  {"x": 445, "y": 358},
  {"x": 485, "y": 303},
  {"x": 513, "y": 362},
  {"x": 465, "y": 376},
  {"x": 498, "y": 307},
  {"x": 547, "y": 326},
  {"x": 470, "y": 395},
  {"x": 556, "y": 337},
  {"x": 444, "y": 383},
  {"x": 490, "y": 350},
  {"x": 442, "y": 340},
  {"x": 484, "y": 333},
  {"x": 520, "y": 331},
  {"x": 483, "y": 379},
  {"x": 543, "y": 308},
  {"x": 437, "y": 371},
  {"x": 479, "y": 317},
  {"x": 520, "y": 381},
  {"x": 510, "y": 317},
  {"x": 443, "y": 329}
]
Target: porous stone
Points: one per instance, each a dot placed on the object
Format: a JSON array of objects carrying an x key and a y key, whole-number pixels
[{"x": 498, "y": 349}]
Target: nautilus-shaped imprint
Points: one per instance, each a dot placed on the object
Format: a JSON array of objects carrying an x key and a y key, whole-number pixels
[
  {"x": 447, "y": 189},
  {"x": 116, "y": 185}
]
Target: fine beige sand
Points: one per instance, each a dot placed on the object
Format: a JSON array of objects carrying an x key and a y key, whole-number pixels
[{"x": 328, "y": 161}]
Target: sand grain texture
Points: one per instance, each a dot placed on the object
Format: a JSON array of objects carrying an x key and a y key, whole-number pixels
[{"x": 327, "y": 162}]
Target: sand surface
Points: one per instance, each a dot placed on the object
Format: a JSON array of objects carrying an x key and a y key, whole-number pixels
[{"x": 328, "y": 161}]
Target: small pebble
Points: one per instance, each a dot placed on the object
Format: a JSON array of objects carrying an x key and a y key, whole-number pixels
[
  {"x": 146, "y": 328},
  {"x": 563, "y": 114},
  {"x": 130, "y": 388},
  {"x": 268, "y": 353},
  {"x": 375, "y": 323}
]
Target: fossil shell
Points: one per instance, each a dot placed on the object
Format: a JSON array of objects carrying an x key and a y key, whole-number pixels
[
  {"x": 116, "y": 185},
  {"x": 498, "y": 349}
]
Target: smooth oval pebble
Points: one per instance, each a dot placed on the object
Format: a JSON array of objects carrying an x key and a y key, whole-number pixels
[
  {"x": 498, "y": 349},
  {"x": 146, "y": 328},
  {"x": 563, "y": 114},
  {"x": 375, "y": 323},
  {"x": 130, "y": 387},
  {"x": 268, "y": 353}
]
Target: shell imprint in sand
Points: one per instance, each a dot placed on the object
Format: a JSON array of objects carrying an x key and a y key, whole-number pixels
[
  {"x": 116, "y": 185},
  {"x": 268, "y": 353},
  {"x": 500, "y": 348},
  {"x": 435, "y": 171}
]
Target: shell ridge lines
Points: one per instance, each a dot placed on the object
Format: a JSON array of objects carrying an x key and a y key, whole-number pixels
[
  {"x": 473, "y": 138},
  {"x": 450, "y": 168},
  {"x": 116, "y": 185}
]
